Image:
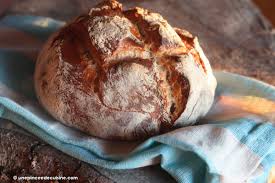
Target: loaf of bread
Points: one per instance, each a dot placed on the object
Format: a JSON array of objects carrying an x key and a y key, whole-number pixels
[{"x": 124, "y": 74}]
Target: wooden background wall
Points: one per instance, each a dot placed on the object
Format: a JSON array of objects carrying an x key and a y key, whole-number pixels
[{"x": 268, "y": 9}]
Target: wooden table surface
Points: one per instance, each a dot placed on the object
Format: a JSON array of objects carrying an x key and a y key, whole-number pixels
[{"x": 233, "y": 33}]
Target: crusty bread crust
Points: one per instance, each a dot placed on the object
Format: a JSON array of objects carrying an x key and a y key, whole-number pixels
[{"x": 123, "y": 75}]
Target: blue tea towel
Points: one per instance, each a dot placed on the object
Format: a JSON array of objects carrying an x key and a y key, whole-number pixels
[{"x": 235, "y": 142}]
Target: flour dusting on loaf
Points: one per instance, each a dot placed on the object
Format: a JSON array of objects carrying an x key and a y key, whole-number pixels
[
  {"x": 106, "y": 32},
  {"x": 124, "y": 74},
  {"x": 131, "y": 87},
  {"x": 169, "y": 38}
]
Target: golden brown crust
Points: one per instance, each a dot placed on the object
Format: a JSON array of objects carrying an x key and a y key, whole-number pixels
[
  {"x": 188, "y": 39},
  {"x": 114, "y": 73}
]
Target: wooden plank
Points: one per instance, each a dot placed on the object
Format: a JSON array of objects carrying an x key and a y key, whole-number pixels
[
  {"x": 267, "y": 8},
  {"x": 22, "y": 154}
]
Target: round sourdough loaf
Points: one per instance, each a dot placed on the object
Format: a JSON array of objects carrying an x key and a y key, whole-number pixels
[{"x": 124, "y": 74}]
